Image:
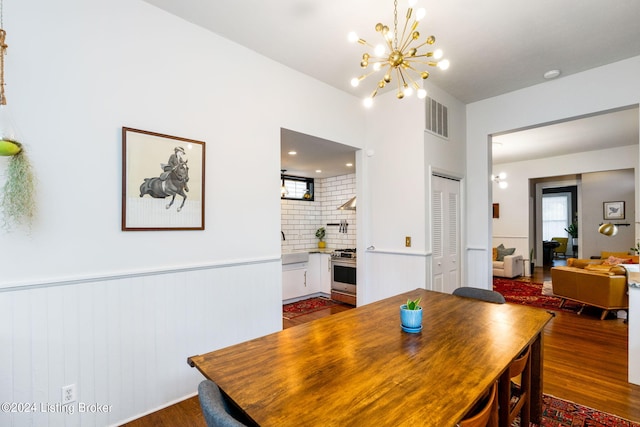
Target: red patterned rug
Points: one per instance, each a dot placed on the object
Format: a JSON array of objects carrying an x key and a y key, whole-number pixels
[
  {"x": 529, "y": 293},
  {"x": 562, "y": 413},
  {"x": 299, "y": 308}
]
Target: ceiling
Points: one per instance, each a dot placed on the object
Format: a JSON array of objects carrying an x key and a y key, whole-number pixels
[
  {"x": 314, "y": 154},
  {"x": 611, "y": 129},
  {"x": 494, "y": 46}
]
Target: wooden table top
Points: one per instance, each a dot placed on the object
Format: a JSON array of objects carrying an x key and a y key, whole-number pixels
[{"x": 359, "y": 368}]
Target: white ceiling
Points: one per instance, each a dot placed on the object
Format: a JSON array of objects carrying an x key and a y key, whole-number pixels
[{"x": 494, "y": 46}]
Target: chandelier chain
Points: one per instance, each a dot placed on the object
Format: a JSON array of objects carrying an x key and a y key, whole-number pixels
[{"x": 395, "y": 24}]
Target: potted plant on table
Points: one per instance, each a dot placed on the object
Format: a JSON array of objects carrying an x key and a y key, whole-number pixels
[
  {"x": 411, "y": 316},
  {"x": 320, "y": 233}
]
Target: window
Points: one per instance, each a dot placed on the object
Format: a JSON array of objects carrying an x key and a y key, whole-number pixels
[
  {"x": 556, "y": 210},
  {"x": 298, "y": 188}
]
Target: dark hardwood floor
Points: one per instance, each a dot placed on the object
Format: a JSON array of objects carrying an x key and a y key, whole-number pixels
[{"x": 585, "y": 361}]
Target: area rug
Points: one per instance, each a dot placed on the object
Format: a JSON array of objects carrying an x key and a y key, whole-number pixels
[
  {"x": 530, "y": 293},
  {"x": 300, "y": 308},
  {"x": 562, "y": 413}
]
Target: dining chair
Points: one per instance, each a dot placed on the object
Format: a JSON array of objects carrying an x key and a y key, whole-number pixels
[
  {"x": 518, "y": 397},
  {"x": 216, "y": 410},
  {"x": 487, "y": 415},
  {"x": 479, "y": 294}
]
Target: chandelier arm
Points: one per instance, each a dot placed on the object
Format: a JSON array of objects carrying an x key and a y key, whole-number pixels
[
  {"x": 423, "y": 44},
  {"x": 424, "y": 55},
  {"x": 403, "y": 41},
  {"x": 430, "y": 63}
]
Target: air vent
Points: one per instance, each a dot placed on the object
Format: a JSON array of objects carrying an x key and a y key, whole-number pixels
[{"x": 437, "y": 118}]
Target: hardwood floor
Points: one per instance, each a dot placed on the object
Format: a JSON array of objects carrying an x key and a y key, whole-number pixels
[{"x": 585, "y": 361}]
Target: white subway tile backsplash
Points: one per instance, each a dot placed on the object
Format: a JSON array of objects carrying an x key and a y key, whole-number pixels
[{"x": 300, "y": 219}]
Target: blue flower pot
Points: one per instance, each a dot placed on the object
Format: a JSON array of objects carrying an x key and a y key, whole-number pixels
[{"x": 410, "y": 319}]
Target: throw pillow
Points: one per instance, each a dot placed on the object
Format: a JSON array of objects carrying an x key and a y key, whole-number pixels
[
  {"x": 495, "y": 254},
  {"x": 502, "y": 252},
  {"x": 612, "y": 260}
]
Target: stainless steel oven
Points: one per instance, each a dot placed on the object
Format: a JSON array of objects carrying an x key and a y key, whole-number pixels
[{"x": 343, "y": 275}]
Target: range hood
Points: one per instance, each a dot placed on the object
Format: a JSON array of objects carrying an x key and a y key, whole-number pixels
[{"x": 350, "y": 205}]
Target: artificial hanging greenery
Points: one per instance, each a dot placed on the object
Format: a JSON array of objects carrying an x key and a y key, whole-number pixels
[{"x": 18, "y": 203}]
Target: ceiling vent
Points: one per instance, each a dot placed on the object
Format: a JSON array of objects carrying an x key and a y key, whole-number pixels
[{"x": 437, "y": 118}]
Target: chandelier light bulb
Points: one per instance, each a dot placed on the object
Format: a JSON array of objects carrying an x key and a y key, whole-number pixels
[
  {"x": 437, "y": 54},
  {"x": 422, "y": 94},
  {"x": 379, "y": 50},
  {"x": 444, "y": 64},
  {"x": 352, "y": 37},
  {"x": 368, "y": 102},
  {"x": 407, "y": 91},
  {"x": 420, "y": 14},
  {"x": 503, "y": 184},
  {"x": 355, "y": 82},
  {"x": 412, "y": 3},
  {"x": 502, "y": 175}
]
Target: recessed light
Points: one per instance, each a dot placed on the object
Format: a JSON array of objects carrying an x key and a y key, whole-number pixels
[
  {"x": 551, "y": 74},
  {"x": 349, "y": 165},
  {"x": 293, "y": 153},
  {"x": 318, "y": 171}
]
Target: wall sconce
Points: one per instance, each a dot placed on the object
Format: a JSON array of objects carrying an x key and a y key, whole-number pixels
[{"x": 500, "y": 180}]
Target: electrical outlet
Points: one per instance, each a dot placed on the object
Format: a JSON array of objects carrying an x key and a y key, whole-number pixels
[
  {"x": 68, "y": 394},
  {"x": 407, "y": 241}
]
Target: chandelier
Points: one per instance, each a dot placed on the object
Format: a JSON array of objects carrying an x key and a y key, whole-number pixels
[{"x": 398, "y": 56}]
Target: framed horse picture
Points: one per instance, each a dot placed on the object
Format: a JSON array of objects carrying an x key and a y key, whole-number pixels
[{"x": 162, "y": 182}]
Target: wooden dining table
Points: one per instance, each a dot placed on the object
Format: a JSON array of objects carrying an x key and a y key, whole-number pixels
[{"x": 359, "y": 368}]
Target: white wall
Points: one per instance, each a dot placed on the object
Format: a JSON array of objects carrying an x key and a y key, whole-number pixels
[
  {"x": 396, "y": 167},
  {"x": 117, "y": 313},
  {"x": 566, "y": 97}
]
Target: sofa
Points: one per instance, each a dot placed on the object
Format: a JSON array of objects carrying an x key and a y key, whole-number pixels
[
  {"x": 505, "y": 263},
  {"x": 596, "y": 282}
]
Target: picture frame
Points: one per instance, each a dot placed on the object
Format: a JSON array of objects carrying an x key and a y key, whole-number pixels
[
  {"x": 163, "y": 182},
  {"x": 613, "y": 210},
  {"x": 496, "y": 210}
]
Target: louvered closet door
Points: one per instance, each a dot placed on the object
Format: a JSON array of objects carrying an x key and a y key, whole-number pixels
[{"x": 446, "y": 234}]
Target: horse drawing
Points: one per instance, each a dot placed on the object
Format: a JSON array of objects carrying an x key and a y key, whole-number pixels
[{"x": 171, "y": 182}]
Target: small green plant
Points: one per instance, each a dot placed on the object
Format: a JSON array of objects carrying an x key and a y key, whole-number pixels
[
  {"x": 531, "y": 254},
  {"x": 320, "y": 233},
  {"x": 636, "y": 249},
  {"x": 413, "y": 304},
  {"x": 572, "y": 230}
]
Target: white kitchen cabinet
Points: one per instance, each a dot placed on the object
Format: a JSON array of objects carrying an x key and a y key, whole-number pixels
[
  {"x": 294, "y": 281},
  {"x": 325, "y": 273},
  {"x": 319, "y": 273}
]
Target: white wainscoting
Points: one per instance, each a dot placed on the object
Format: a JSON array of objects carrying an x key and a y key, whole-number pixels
[
  {"x": 391, "y": 273},
  {"x": 124, "y": 341},
  {"x": 479, "y": 272}
]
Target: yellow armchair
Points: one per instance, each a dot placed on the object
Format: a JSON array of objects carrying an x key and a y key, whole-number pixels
[{"x": 562, "y": 249}]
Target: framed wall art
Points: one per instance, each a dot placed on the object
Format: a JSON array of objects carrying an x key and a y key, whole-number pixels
[
  {"x": 496, "y": 210},
  {"x": 162, "y": 182},
  {"x": 613, "y": 210}
]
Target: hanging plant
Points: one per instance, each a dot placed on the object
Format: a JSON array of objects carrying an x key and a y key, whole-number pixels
[{"x": 18, "y": 193}]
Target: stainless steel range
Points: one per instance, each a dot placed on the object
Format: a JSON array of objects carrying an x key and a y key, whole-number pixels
[{"x": 343, "y": 275}]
